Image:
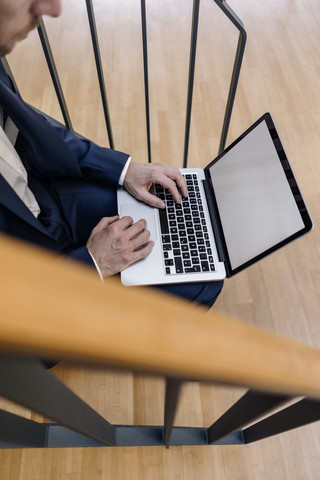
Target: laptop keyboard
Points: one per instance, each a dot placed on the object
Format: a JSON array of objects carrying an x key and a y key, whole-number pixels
[{"x": 185, "y": 241}]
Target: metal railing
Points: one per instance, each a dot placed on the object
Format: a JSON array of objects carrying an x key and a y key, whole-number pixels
[
  {"x": 278, "y": 372},
  {"x": 228, "y": 12},
  {"x": 28, "y": 383}
]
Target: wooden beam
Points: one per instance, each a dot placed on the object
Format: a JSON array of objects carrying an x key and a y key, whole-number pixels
[{"x": 56, "y": 308}]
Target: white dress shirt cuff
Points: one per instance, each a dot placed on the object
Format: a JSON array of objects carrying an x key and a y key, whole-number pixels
[
  {"x": 121, "y": 180},
  {"x": 124, "y": 171},
  {"x": 97, "y": 267}
]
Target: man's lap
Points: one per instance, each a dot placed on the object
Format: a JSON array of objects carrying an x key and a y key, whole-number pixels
[{"x": 84, "y": 203}]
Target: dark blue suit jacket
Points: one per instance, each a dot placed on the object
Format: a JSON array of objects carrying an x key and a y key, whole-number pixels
[
  {"x": 52, "y": 156},
  {"x": 74, "y": 182}
]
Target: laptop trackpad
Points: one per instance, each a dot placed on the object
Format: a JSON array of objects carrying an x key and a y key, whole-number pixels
[{"x": 137, "y": 211}]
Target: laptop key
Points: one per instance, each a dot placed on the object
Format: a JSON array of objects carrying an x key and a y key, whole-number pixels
[
  {"x": 178, "y": 264},
  {"x": 205, "y": 266},
  {"x": 165, "y": 238},
  {"x": 163, "y": 221},
  {"x": 189, "y": 270}
]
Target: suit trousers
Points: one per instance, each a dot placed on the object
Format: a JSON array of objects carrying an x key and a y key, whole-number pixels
[{"x": 84, "y": 203}]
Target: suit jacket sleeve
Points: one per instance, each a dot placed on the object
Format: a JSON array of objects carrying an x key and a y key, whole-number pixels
[{"x": 96, "y": 163}]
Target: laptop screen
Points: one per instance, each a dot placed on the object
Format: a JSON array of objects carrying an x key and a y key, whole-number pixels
[{"x": 259, "y": 203}]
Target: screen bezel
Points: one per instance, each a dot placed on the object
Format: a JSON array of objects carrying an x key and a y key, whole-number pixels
[{"x": 291, "y": 182}]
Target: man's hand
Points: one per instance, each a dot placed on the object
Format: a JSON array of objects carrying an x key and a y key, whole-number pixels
[
  {"x": 140, "y": 177},
  {"x": 115, "y": 244}
]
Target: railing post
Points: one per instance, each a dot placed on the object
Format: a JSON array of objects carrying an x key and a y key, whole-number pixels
[
  {"x": 54, "y": 74},
  {"x": 173, "y": 388},
  {"x": 97, "y": 56},
  {"x": 146, "y": 74},
  {"x": 192, "y": 62},
  {"x": 250, "y": 407},
  {"x": 27, "y": 382},
  {"x": 234, "y": 79},
  {"x": 301, "y": 413},
  {"x": 236, "y": 68}
]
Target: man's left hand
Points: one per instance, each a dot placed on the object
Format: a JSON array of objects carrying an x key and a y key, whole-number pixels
[{"x": 140, "y": 177}]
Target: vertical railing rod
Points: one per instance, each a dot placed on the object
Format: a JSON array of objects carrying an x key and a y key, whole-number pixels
[
  {"x": 246, "y": 410},
  {"x": 192, "y": 61},
  {"x": 8, "y": 70},
  {"x": 146, "y": 74},
  {"x": 173, "y": 388},
  {"x": 97, "y": 56},
  {"x": 54, "y": 74},
  {"x": 22, "y": 431},
  {"x": 236, "y": 69},
  {"x": 297, "y": 415},
  {"x": 27, "y": 382}
]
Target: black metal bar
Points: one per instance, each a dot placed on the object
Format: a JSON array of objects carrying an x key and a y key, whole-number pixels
[
  {"x": 236, "y": 69},
  {"x": 18, "y": 430},
  {"x": 301, "y": 413},
  {"x": 54, "y": 74},
  {"x": 129, "y": 436},
  {"x": 146, "y": 74},
  {"x": 8, "y": 70},
  {"x": 27, "y": 382},
  {"x": 250, "y": 407},
  {"x": 97, "y": 56},
  {"x": 173, "y": 388},
  {"x": 192, "y": 62}
]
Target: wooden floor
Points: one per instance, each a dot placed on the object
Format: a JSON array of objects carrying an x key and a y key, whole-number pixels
[{"x": 281, "y": 74}]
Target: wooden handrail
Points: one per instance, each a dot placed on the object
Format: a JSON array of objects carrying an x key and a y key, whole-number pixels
[{"x": 57, "y": 308}]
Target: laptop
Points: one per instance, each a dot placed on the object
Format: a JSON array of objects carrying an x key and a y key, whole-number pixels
[{"x": 243, "y": 206}]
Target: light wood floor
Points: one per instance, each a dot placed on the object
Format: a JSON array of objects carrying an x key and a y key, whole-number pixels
[{"x": 281, "y": 74}]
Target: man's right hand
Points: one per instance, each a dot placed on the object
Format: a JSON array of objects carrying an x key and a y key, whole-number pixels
[{"x": 117, "y": 243}]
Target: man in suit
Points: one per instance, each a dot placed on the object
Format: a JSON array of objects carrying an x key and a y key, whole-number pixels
[{"x": 59, "y": 191}]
